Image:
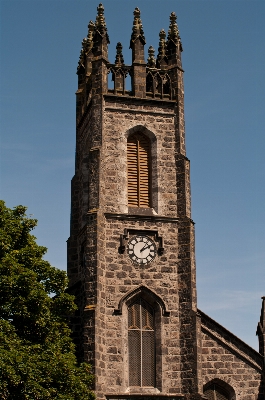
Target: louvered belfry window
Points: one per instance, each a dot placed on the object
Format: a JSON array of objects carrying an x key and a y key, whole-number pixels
[
  {"x": 138, "y": 167},
  {"x": 141, "y": 342}
]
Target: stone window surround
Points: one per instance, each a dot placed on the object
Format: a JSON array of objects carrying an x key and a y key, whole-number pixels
[
  {"x": 160, "y": 310},
  {"x": 154, "y": 173},
  {"x": 223, "y": 386}
]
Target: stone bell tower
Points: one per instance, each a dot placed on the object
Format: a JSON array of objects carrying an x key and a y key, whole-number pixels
[{"x": 131, "y": 258}]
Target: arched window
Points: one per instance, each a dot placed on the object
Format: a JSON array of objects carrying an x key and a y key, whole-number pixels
[
  {"x": 149, "y": 83},
  {"x": 141, "y": 344},
  {"x": 166, "y": 85},
  {"x": 138, "y": 170},
  {"x": 218, "y": 391}
]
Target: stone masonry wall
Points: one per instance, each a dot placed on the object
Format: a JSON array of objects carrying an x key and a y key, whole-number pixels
[
  {"x": 118, "y": 276},
  {"x": 227, "y": 358},
  {"x": 155, "y": 119},
  {"x": 108, "y": 275}
]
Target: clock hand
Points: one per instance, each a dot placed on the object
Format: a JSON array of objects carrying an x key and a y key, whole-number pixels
[{"x": 145, "y": 247}]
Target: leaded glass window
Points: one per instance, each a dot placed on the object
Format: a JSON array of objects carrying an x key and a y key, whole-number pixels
[{"x": 141, "y": 341}]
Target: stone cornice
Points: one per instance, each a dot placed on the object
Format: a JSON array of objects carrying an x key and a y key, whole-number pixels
[
  {"x": 153, "y": 218},
  {"x": 136, "y": 217},
  {"x": 143, "y": 396},
  {"x": 138, "y": 111},
  {"x": 124, "y": 99}
]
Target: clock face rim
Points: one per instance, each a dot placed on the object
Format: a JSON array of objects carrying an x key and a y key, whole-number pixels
[{"x": 137, "y": 248}]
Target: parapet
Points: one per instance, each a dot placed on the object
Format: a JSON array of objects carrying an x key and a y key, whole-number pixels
[{"x": 156, "y": 78}]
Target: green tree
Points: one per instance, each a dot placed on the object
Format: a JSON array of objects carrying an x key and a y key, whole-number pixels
[{"x": 37, "y": 358}]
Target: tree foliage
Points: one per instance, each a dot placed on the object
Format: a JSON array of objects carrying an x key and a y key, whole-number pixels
[{"x": 37, "y": 358}]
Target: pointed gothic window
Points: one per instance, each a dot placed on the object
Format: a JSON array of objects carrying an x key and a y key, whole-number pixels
[
  {"x": 217, "y": 392},
  {"x": 141, "y": 343},
  {"x": 138, "y": 170},
  {"x": 149, "y": 83}
]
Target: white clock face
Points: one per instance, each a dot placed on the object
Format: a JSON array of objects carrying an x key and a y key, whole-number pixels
[{"x": 141, "y": 249}]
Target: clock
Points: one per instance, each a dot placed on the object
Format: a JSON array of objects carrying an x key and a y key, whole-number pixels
[{"x": 141, "y": 249}]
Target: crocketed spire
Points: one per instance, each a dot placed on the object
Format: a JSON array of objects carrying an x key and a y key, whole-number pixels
[
  {"x": 119, "y": 60},
  {"x": 162, "y": 47},
  {"x": 87, "y": 44},
  {"x": 151, "y": 62},
  {"x": 173, "y": 31},
  {"x": 100, "y": 19},
  {"x": 100, "y": 35},
  {"x": 91, "y": 27},
  {"x": 137, "y": 27}
]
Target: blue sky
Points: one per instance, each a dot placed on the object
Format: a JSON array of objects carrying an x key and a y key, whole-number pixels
[{"x": 224, "y": 63}]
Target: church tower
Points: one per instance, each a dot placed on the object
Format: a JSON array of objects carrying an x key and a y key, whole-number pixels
[{"x": 131, "y": 260}]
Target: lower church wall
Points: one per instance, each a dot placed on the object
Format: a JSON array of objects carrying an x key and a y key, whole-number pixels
[{"x": 229, "y": 363}]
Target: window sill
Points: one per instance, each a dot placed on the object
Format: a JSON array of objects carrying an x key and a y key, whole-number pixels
[
  {"x": 142, "y": 390},
  {"x": 141, "y": 211}
]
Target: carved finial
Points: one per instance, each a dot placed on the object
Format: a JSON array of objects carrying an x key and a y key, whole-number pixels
[
  {"x": 119, "y": 56},
  {"x": 173, "y": 32},
  {"x": 100, "y": 45},
  {"x": 91, "y": 27},
  {"x": 100, "y": 24},
  {"x": 162, "y": 46},
  {"x": 137, "y": 26},
  {"x": 100, "y": 19},
  {"x": 151, "y": 62}
]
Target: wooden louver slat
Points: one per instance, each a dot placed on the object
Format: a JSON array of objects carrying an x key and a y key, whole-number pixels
[{"x": 138, "y": 167}]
